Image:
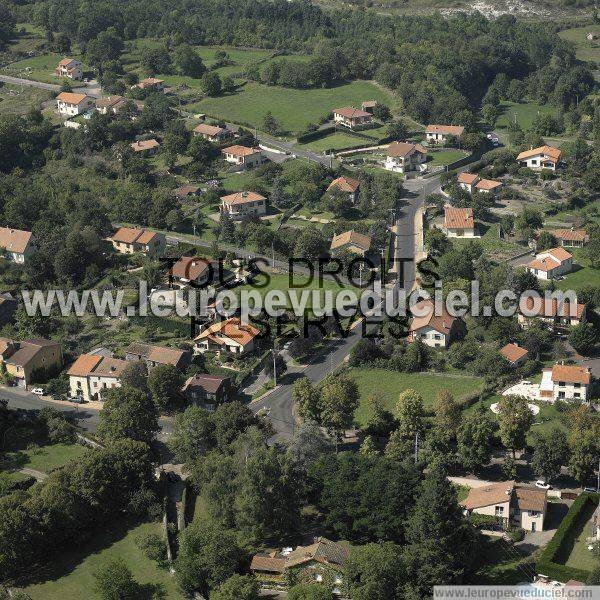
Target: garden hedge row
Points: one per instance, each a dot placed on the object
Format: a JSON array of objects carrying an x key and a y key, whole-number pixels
[{"x": 547, "y": 564}]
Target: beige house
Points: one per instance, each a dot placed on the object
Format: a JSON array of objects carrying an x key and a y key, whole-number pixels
[
  {"x": 565, "y": 382},
  {"x": 471, "y": 182},
  {"x": 346, "y": 185},
  {"x": 353, "y": 118},
  {"x": 351, "y": 241},
  {"x": 30, "y": 361},
  {"x": 145, "y": 147},
  {"x": 242, "y": 204},
  {"x": 150, "y": 83},
  {"x": 544, "y": 157},
  {"x": 212, "y": 133},
  {"x": 71, "y": 104},
  {"x": 195, "y": 271},
  {"x": 128, "y": 240},
  {"x": 243, "y": 157},
  {"x": 16, "y": 245},
  {"x": 514, "y": 354},
  {"x": 512, "y": 505},
  {"x": 158, "y": 355},
  {"x": 229, "y": 336},
  {"x": 439, "y": 134},
  {"x": 92, "y": 374},
  {"x": 550, "y": 264},
  {"x": 436, "y": 331},
  {"x": 69, "y": 68},
  {"x": 402, "y": 157},
  {"x": 549, "y": 311},
  {"x": 459, "y": 222},
  {"x": 110, "y": 105},
  {"x": 572, "y": 238}
]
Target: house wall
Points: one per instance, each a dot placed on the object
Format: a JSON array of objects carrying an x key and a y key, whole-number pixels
[
  {"x": 460, "y": 233},
  {"x": 436, "y": 137},
  {"x": 537, "y": 163},
  {"x": 491, "y": 510},
  {"x": 47, "y": 358},
  {"x": 430, "y": 337},
  {"x": 99, "y": 384},
  {"x": 72, "y": 110},
  {"x": 239, "y": 211},
  {"x": 527, "y": 518},
  {"x": 79, "y": 386},
  {"x": 570, "y": 391}
]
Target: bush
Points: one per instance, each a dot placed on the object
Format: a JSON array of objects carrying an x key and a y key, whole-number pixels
[
  {"x": 483, "y": 521},
  {"x": 516, "y": 534}
]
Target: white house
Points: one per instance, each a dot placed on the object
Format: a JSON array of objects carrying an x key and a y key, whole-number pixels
[
  {"x": 510, "y": 504},
  {"x": 471, "y": 182},
  {"x": 437, "y": 331},
  {"x": 549, "y": 311},
  {"x": 403, "y": 157},
  {"x": 544, "y": 157},
  {"x": 229, "y": 336},
  {"x": 514, "y": 354},
  {"x": 352, "y": 117},
  {"x": 551, "y": 263},
  {"x": 439, "y": 134},
  {"x": 110, "y": 105},
  {"x": 16, "y": 245},
  {"x": 459, "y": 222},
  {"x": 212, "y": 133},
  {"x": 571, "y": 238},
  {"x": 243, "y": 157},
  {"x": 242, "y": 204},
  {"x": 71, "y": 104},
  {"x": 69, "y": 68},
  {"x": 565, "y": 382},
  {"x": 91, "y": 374}
]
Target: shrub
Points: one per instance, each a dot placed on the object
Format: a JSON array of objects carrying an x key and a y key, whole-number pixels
[{"x": 516, "y": 534}]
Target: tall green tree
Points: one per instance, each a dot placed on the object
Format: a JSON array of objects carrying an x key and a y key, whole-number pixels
[
  {"x": 550, "y": 452},
  {"x": 515, "y": 420},
  {"x": 475, "y": 438},
  {"x": 410, "y": 413},
  {"x": 164, "y": 383},
  {"x": 114, "y": 581}
]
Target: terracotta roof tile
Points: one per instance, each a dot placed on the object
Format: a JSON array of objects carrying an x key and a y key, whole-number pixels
[
  {"x": 241, "y": 198},
  {"x": 350, "y": 113},
  {"x": 458, "y": 218},
  {"x": 456, "y": 130},
  {"x": 351, "y": 237},
  {"x": 528, "y": 498},
  {"x": 571, "y": 374},
  {"x": 238, "y": 150},
  {"x": 513, "y": 353},
  {"x": 404, "y": 149},
  {"x": 486, "y": 495},
  {"x": 553, "y": 154},
  {"x": 570, "y": 235},
  {"x": 210, "y": 130},
  {"x": 14, "y": 240},
  {"x": 467, "y": 178},
  {"x": 233, "y": 329},
  {"x": 71, "y": 97},
  {"x": 344, "y": 184},
  {"x": 190, "y": 267},
  {"x": 441, "y": 323}
]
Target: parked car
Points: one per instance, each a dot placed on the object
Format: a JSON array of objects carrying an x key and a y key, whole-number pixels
[
  {"x": 589, "y": 489},
  {"x": 542, "y": 485},
  {"x": 38, "y": 391}
]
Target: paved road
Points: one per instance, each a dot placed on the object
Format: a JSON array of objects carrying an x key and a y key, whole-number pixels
[{"x": 28, "y": 82}]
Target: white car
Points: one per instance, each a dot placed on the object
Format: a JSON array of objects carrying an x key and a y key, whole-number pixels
[
  {"x": 542, "y": 485},
  {"x": 489, "y": 136},
  {"x": 37, "y": 391}
]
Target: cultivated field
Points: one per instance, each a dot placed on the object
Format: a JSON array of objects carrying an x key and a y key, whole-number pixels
[
  {"x": 15, "y": 99},
  {"x": 586, "y": 49}
]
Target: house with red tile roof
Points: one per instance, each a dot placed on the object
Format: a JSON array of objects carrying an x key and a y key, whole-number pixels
[
  {"x": 544, "y": 157},
  {"x": 69, "y": 68},
  {"x": 197, "y": 271},
  {"x": 145, "y": 147},
  {"x": 71, "y": 104},
  {"x": 435, "y": 330},
  {"x": 351, "y": 241},
  {"x": 439, "y": 134},
  {"x": 127, "y": 240},
  {"x": 16, "y": 245},
  {"x": 514, "y": 354},
  {"x": 31, "y": 361},
  {"x": 565, "y": 382},
  {"x": 92, "y": 374},
  {"x": 158, "y": 355},
  {"x": 150, "y": 83},
  {"x": 471, "y": 182},
  {"x": 551, "y": 263},
  {"x": 242, "y": 157},
  {"x": 459, "y": 222},
  {"x": 548, "y": 310},
  {"x": 212, "y": 133},
  {"x": 403, "y": 157},
  {"x": 353, "y": 118},
  {"x": 571, "y": 238},
  {"x": 110, "y": 105},
  {"x": 231, "y": 336},
  {"x": 242, "y": 204},
  {"x": 207, "y": 391},
  {"x": 346, "y": 185}
]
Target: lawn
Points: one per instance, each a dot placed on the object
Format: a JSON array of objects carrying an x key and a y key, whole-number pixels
[
  {"x": 15, "y": 99},
  {"x": 494, "y": 245},
  {"x": 579, "y": 556},
  {"x": 583, "y": 276},
  {"x": 438, "y": 158},
  {"x": 524, "y": 113},
  {"x": 293, "y": 109},
  {"x": 306, "y": 212},
  {"x": 43, "y": 458},
  {"x": 585, "y": 49},
  {"x": 73, "y": 570},
  {"x": 387, "y": 385},
  {"x": 335, "y": 141},
  {"x": 39, "y": 68},
  {"x": 302, "y": 224}
]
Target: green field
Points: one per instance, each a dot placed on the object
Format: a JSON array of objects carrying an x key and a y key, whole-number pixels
[
  {"x": 43, "y": 458},
  {"x": 73, "y": 570},
  {"x": 585, "y": 49},
  {"x": 293, "y": 109},
  {"x": 387, "y": 385},
  {"x": 524, "y": 113},
  {"x": 494, "y": 245},
  {"x": 335, "y": 141},
  {"x": 583, "y": 276},
  {"x": 579, "y": 556},
  {"x": 436, "y": 158},
  {"x": 15, "y": 99},
  {"x": 39, "y": 68}
]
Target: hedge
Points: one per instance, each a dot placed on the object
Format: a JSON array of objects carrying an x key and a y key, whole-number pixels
[{"x": 547, "y": 564}]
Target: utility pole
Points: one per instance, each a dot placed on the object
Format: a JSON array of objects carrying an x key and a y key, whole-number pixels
[
  {"x": 273, "y": 253},
  {"x": 274, "y": 366}
]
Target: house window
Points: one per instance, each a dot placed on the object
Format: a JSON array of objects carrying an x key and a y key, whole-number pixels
[
  {"x": 576, "y": 385},
  {"x": 499, "y": 511},
  {"x": 576, "y": 395},
  {"x": 561, "y": 383},
  {"x": 533, "y": 513}
]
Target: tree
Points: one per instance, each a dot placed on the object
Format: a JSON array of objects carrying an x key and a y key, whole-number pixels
[
  {"x": 128, "y": 413},
  {"x": 442, "y": 544},
  {"x": 375, "y": 572},
  {"x": 515, "y": 419},
  {"x": 226, "y": 228},
  {"x": 306, "y": 445},
  {"x": 397, "y": 130},
  {"x": 114, "y": 581},
  {"x": 583, "y": 337},
  {"x": 192, "y": 434},
  {"x": 447, "y": 416},
  {"x": 550, "y": 452},
  {"x": 584, "y": 443},
  {"x": 188, "y": 61},
  {"x": 211, "y": 84},
  {"x": 208, "y": 556},
  {"x": 475, "y": 438},
  {"x": 382, "y": 112},
  {"x": 156, "y": 60},
  {"x": 594, "y": 577},
  {"x": 310, "y": 591},
  {"x": 135, "y": 375},
  {"x": 410, "y": 413},
  {"x": 545, "y": 241},
  {"x": 339, "y": 400},
  {"x": 270, "y": 124},
  {"x": 310, "y": 244},
  {"x": 307, "y": 399},
  {"x": 164, "y": 383},
  {"x": 237, "y": 587}
]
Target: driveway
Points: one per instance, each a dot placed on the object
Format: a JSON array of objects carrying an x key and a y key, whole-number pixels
[{"x": 531, "y": 391}]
